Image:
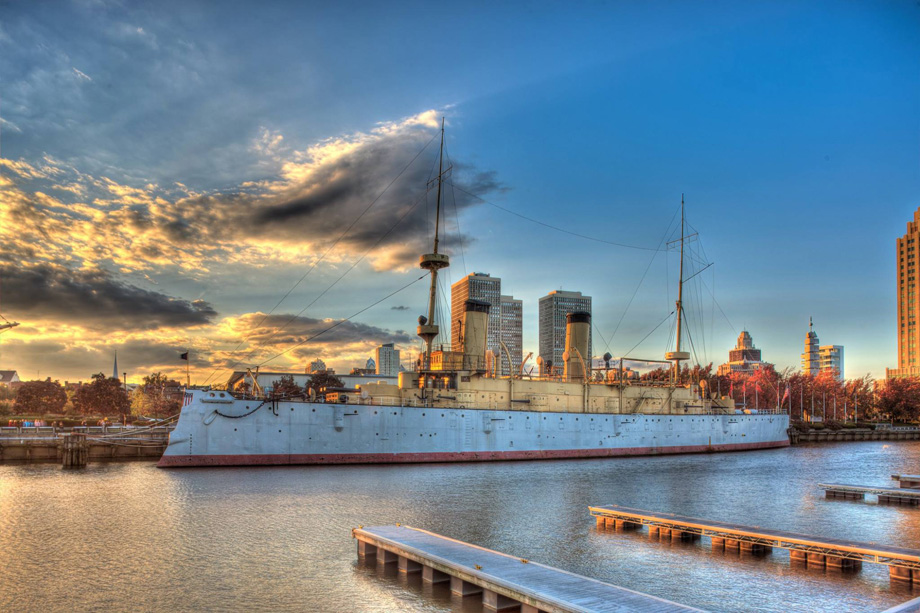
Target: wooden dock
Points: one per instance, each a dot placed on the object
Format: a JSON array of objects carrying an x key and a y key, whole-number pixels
[
  {"x": 907, "y": 481},
  {"x": 502, "y": 581},
  {"x": 893, "y": 495},
  {"x": 903, "y": 564}
]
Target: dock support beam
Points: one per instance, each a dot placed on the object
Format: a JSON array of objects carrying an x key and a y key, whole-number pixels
[
  {"x": 463, "y": 588},
  {"x": 798, "y": 557},
  {"x": 493, "y": 601},
  {"x": 386, "y": 557},
  {"x": 409, "y": 566},
  {"x": 900, "y": 574},
  {"x": 366, "y": 549},
  {"x": 430, "y": 575}
]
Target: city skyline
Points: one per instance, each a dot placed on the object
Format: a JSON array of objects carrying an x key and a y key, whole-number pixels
[{"x": 167, "y": 176}]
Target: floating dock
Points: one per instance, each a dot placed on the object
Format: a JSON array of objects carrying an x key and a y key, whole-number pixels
[
  {"x": 903, "y": 564},
  {"x": 892, "y": 495},
  {"x": 502, "y": 581},
  {"x": 907, "y": 481},
  {"x": 911, "y": 606}
]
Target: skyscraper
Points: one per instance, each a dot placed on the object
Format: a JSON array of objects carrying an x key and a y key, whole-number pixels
[
  {"x": 818, "y": 358},
  {"x": 477, "y": 286},
  {"x": 512, "y": 332},
  {"x": 505, "y": 316},
  {"x": 387, "y": 360},
  {"x": 908, "y": 264},
  {"x": 553, "y": 309}
]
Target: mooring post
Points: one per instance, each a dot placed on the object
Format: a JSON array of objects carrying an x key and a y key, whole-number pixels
[{"x": 75, "y": 454}]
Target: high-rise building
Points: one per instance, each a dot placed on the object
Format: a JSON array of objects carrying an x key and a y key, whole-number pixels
[
  {"x": 512, "y": 332},
  {"x": 553, "y": 309},
  {"x": 477, "y": 286},
  {"x": 908, "y": 266},
  {"x": 505, "y": 317},
  {"x": 811, "y": 363},
  {"x": 818, "y": 358},
  {"x": 316, "y": 366},
  {"x": 744, "y": 358},
  {"x": 830, "y": 358},
  {"x": 387, "y": 360}
]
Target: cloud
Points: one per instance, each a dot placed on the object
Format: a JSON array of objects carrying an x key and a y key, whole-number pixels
[
  {"x": 400, "y": 307},
  {"x": 94, "y": 299},
  {"x": 280, "y": 330},
  {"x": 82, "y": 75}
]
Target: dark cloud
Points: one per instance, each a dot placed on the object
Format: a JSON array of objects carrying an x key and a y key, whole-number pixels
[
  {"x": 285, "y": 330},
  {"x": 94, "y": 299}
]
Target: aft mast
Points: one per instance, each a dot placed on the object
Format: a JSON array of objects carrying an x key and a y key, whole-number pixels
[
  {"x": 677, "y": 355},
  {"x": 433, "y": 262}
]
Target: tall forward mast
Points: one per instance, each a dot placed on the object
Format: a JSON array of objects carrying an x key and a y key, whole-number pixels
[{"x": 433, "y": 262}]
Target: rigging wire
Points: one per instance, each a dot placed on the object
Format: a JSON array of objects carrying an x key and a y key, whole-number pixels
[
  {"x": 667, "y": 317},
  {"x": 552, "y": 227},
  {"x": 342, "y": 321},
  {"x": 639, "y": 285},
  {"x": 334, "y": 244}
]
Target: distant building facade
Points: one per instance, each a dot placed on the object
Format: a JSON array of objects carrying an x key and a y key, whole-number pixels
[
  {"x": 512, "y": 332},
  {"x": 8, "y": 377},
  {"x": 745, "y": 358},
  {"x": 818, "y": 358},
  {"x": 505, "y": 316},
  {"x": 316, "y": 365},
  {"x": 553, "y": 309},
  {"x": 908, "y": 267},
  {"x": 387, "y": 360}
]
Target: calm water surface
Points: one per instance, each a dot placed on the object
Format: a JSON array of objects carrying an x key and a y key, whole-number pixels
[{"x": 129, "y": 536}]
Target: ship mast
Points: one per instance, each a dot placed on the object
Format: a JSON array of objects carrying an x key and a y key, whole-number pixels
[
  {"x": 677, "y": 356},
  {"x": 433, "y": 262}
]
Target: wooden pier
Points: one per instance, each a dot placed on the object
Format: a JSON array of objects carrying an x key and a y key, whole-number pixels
[
  {"x": 75, "y": 447},
  {"x": 503, "y": 582},
  {"x": 903, "y": 564},
  {"x": 891, "y": 495},
  {"x": 907, "y": 481}
]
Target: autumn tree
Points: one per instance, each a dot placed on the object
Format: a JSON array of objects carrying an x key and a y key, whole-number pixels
[
  {"x": 320, "y": 382},
  {"x": 150, "y": 398},
  {"x": 287, "y": 387},
  {"x": 899, "y": 400},
  {"x": 40, "y": 397},
  {"x": 104, "y": 396}
]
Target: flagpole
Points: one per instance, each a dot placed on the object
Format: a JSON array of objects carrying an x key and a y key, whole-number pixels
[{"x": 188, "y": 380}]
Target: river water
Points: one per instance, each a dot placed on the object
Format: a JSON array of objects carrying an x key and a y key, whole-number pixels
[{"x": 130, "y": 536}]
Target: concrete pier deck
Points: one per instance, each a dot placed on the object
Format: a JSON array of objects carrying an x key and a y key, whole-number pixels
[
  {"x": 504, "y": 582},
  {"x": 858, "y": 492},
  {"x": 908, "y": 481},
  {"x": 903, "y": 564}
]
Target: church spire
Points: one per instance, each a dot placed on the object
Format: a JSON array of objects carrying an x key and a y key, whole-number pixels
[{"x": 115, "y": 368}]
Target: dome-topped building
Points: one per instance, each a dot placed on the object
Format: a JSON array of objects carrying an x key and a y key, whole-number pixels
[{"x": 744, "y": 358}]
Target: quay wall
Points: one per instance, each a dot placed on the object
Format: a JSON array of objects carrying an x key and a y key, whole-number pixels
[
  {"x": 23, "y": 447},
  {"x": 797, "y": 437}
]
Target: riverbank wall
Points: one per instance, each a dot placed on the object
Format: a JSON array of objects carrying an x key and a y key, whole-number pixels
[
  {"x": 827, "y": 435},
  {"x": 26, "y": 445}
]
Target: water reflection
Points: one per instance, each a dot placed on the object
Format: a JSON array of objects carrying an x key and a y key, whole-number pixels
[{"x": 127, "y": 536}]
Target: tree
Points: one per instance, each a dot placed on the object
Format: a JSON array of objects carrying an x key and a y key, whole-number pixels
[
  {"x": 286, "y": 386},
  {"x": 40, "y": 397},
  {"x": 321, "y": 381},
  {"x": 104, "y": 396},
  {"x": 151, "y": 397},
  {"x": 899, "y": 400}
]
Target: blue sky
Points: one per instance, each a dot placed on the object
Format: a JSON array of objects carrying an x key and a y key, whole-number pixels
[{"x": 171, "y": 169}]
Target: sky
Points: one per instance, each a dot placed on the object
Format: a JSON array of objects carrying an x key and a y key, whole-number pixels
[{"x": 235, "y": 178}]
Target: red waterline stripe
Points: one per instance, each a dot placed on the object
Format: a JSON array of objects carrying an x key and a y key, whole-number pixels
[{"x": 463, "y": 456}]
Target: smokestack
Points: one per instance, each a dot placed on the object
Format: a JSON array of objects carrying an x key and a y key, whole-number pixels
[
  {"x": 577, "y": 329},
  {"x": 475, "y": 328}
]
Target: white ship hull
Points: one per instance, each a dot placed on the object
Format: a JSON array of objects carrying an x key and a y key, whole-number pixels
[{"x": 207, "y": 434}]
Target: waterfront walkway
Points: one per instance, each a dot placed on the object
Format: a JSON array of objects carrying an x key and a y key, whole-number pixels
[{"x": 503, "y": 582}]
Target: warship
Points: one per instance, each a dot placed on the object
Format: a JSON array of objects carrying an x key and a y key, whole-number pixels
[{"x": 455, "y": 407}]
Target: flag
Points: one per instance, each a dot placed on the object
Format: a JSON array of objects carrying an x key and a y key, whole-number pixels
[
  {"x": 184, "y": 356},
  {"x": 785, "y": 395}
]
